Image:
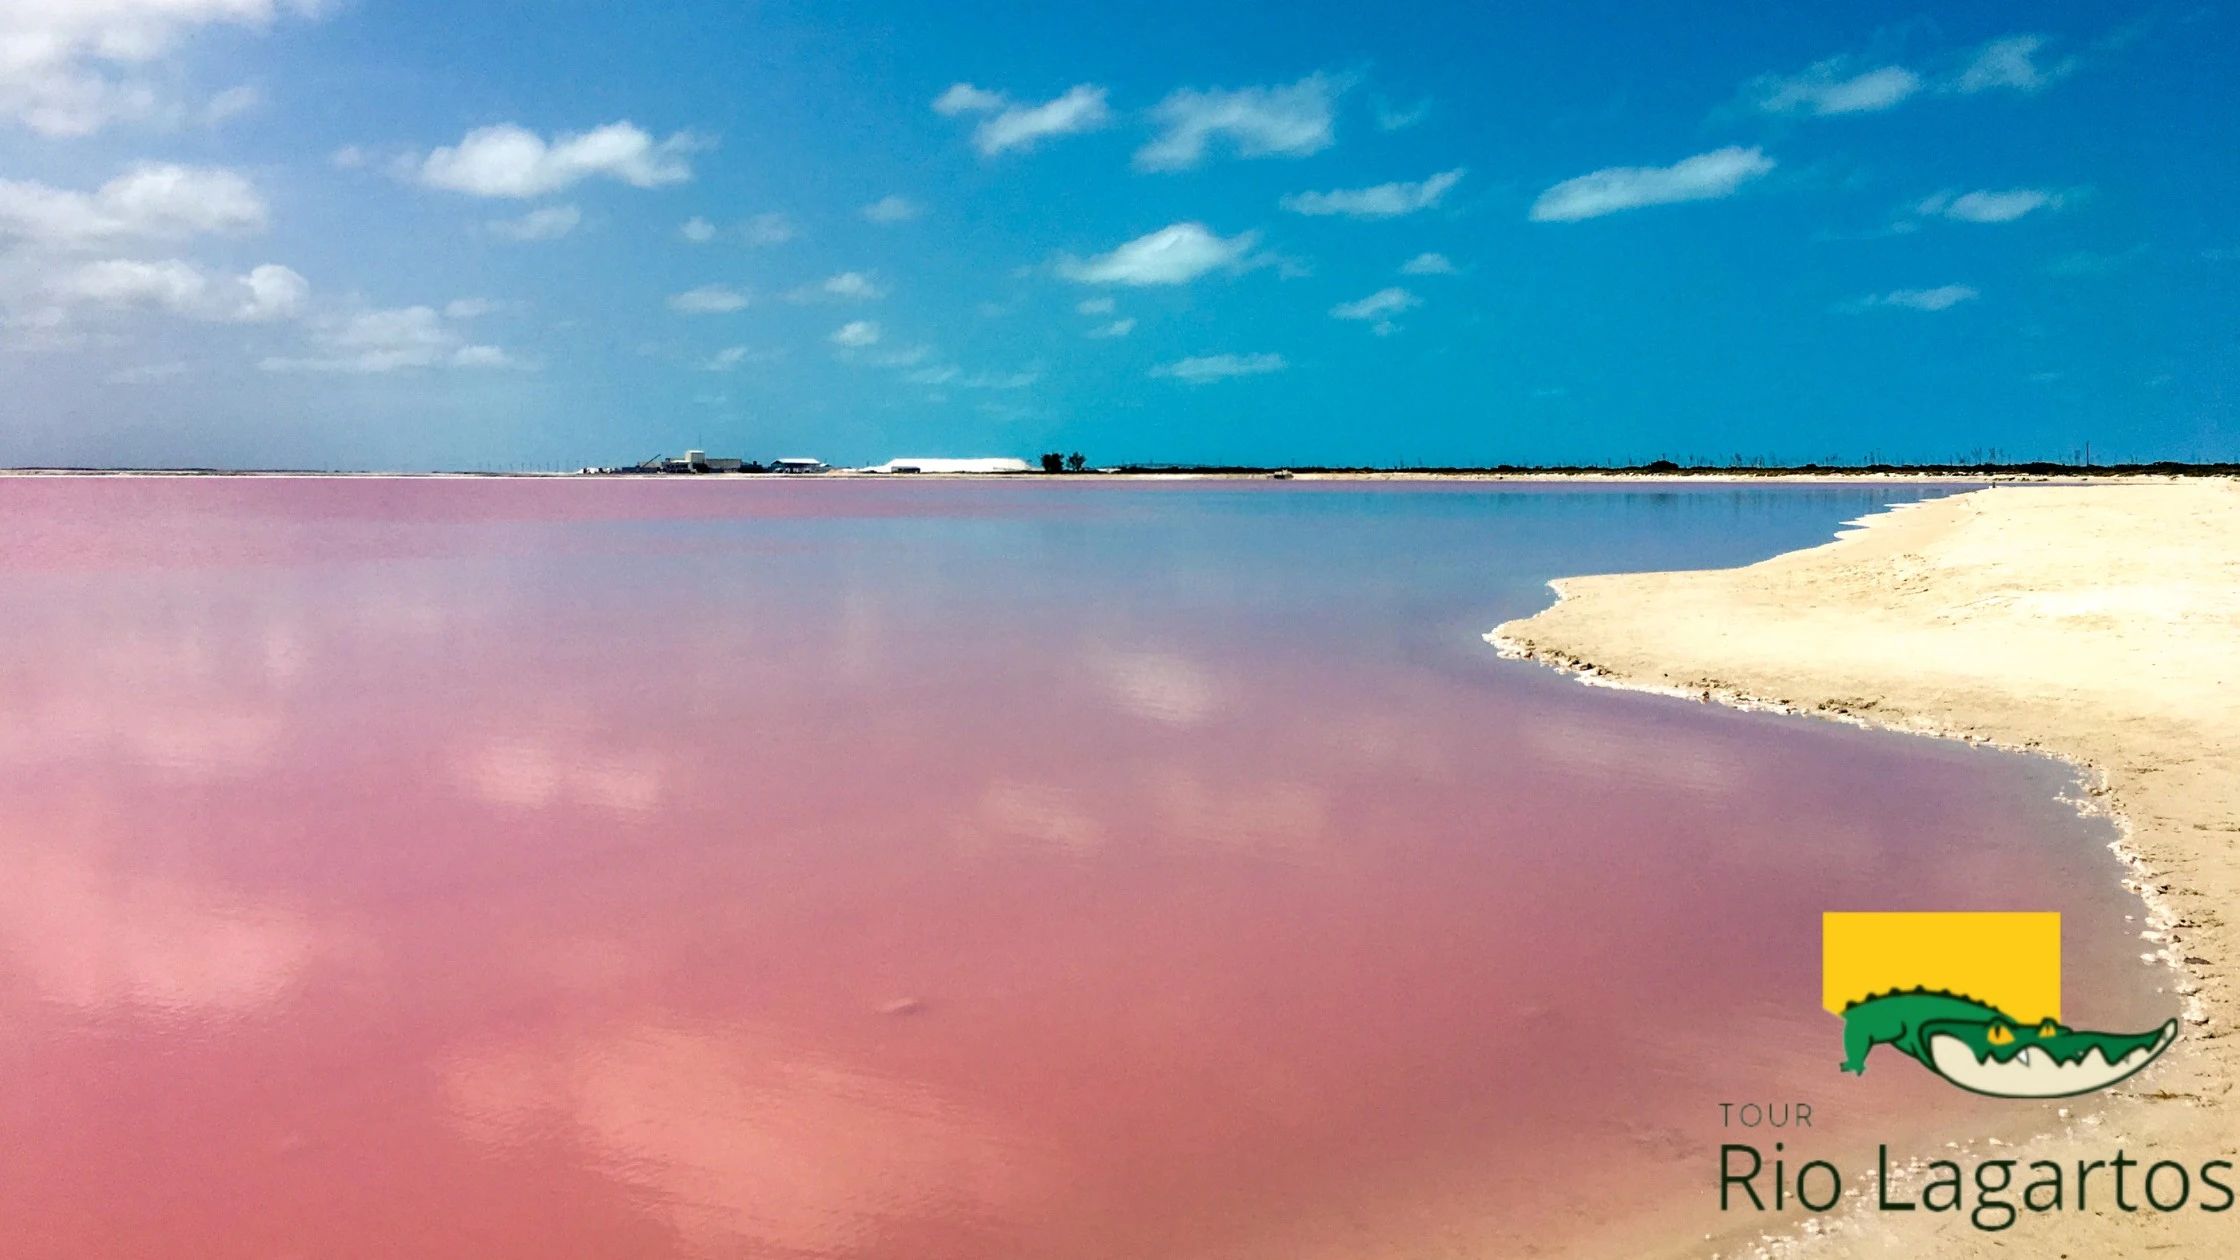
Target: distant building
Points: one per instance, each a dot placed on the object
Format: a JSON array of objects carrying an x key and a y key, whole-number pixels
[
  {"x": 993, "y": 464},
  {"x": 797, "y": 465},
  {"x": 689, "y": 462}
]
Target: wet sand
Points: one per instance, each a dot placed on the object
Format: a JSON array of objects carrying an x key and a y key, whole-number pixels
[{"x": 2100, "y": 624}]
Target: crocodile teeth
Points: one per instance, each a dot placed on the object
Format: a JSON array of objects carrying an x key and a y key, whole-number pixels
[{"x": 2031, "y": 1074}]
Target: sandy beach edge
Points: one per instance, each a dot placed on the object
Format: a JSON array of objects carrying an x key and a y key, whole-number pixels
[{"x": 2092, "y": 624}]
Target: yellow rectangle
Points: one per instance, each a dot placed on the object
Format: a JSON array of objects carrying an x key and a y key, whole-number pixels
[{"x": 2009, "y": 960}]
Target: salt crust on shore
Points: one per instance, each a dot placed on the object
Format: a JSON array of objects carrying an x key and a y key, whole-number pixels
[{"x": 2099, "y": 624}]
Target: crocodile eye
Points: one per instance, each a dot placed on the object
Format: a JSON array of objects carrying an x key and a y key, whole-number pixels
[
  {"x": 1999, "y": 1035},
  {"x": 2049, "y": 1029}
]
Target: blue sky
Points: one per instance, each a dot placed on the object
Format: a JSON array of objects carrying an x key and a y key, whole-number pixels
[{"x": 369, "y": 234}]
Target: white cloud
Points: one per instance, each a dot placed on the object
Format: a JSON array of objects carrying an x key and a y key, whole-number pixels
[
  {"x": 67, "y": 67},
  {"x": 1291, "y": 121},
  {"x": 1390, "y": 119},
  {"x": 274, "y": 292},
  {"x": 730, "y": 358},
  {"x": 892, "y": 208},
  {"x": 1831, "y": 87},
  {"x": 963, "y": 98},
  {"x": 940, "y": 375},
  {"x": 389, "y": 341},
  {"x": 1428, "y": 265},
  {"x": 2010, "y": 62},
  {"x": 1378, "y": 305},
  {"x": 1095, "y": 306},
  {"x": 266, "y": 293},
  {"x": 1942, "y": 298},
  {"x": 1015, "y": 126},
  {"x": 1378, "y": 309},
  {"x": 230, "y": 104},
  {"x": 545, "y": 223},
  {"x": 476, "y": 308},
  {"x": 1985, "y": 206},
  {"x": 852, "y": 285},
  {"x": 511, "y": 161},
  {"x": 708, "y": 299},
  {"x": 771, "y": 228},
  {"x": 1381, "y": 202},
  {"x": 848, "y": 286},
  {"x": 759, "y": 230},
  {"x": 1082, "y": 108},
  {"x": 1205, "y": 369},
  {"x": 151, "y": 201},
  {"x": 173, "y": 284},
  {"x": 1704, "y": 177},
  {"x": 1117, "y": 328},
  {"x": 379, "y": 341},
  {"x": 856, "y": 333},
  {"x": 1175, "y": 254},
  {"x": 483, "y": 357}
]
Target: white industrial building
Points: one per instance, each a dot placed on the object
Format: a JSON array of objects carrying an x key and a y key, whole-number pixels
[
  {"x": 993, "y": 464},
  {"x": 691, "y": 462}
]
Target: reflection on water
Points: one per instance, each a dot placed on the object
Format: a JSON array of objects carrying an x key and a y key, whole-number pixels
[
  {"x": 737, "y": 1140},
  {"x": 517, "y": 869},
  {"x": 85, "y": 927}
]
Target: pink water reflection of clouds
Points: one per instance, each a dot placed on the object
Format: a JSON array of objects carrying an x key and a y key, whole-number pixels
[
  {"x": 743, "y": 1144},
  {"x": 506, "y": 870},
  {"x": 88, "y": 927}
]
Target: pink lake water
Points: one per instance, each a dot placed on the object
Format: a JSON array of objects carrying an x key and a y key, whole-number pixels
[{"x": 506, "y": 869}]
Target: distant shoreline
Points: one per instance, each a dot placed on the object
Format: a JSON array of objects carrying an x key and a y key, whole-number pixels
[{"x": 1803, "y": 473}]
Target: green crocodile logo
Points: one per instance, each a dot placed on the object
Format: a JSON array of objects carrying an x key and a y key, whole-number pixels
[
  {"x": 1945, "y": 988},
  {"x": 1986, "y": 1051}
]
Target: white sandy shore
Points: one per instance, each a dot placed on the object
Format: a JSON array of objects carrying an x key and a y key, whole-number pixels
[{"x": 2098, "y": 623}]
